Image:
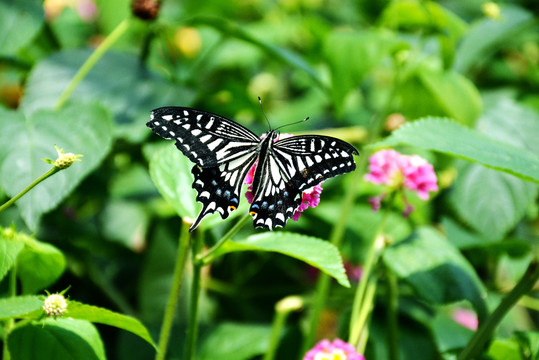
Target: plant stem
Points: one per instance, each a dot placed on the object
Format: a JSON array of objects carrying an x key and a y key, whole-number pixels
[
  {"x": 51, "y": 172},
  {"x": 192, "y": 329},
  {"x": 483, "y": 334},
  {"x": 209, "y": 256},
  {"x": 362, "y": 302},
  {"x": 364, "y": 315},
  {"x": 120, "y": 30},
  {"x": 392, "y": 315},
  {"x": 170, "y": 310}
]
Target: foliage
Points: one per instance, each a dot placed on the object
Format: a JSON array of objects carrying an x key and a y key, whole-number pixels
[{"x": 452, "y": 81}]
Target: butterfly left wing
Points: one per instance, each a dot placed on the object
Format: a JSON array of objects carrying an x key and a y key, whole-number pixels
[
  {"x": 293, "y": 165},
  {"x": 222, "y": 150}
]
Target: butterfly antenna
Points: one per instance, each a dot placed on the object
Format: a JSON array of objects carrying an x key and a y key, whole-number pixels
[
  {"x": 294, "y": 123},
  {"x": 263, "y": 112}
]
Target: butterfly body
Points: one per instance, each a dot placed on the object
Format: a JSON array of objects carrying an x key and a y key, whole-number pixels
[{"x": 223, "y": 153}]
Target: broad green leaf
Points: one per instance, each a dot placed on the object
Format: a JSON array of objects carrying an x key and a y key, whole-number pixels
[
  {"x": 449, "y": 137},
  {"x": 492, "y": 216},
  {"x": 20, "y": 21},
  {"x": 19, "y": 306},
  {"x": 340, "y": 47},
  {"x": 436, "y": 270},
  {"x": 10, "y": 247},
  {"x": 66, "y": 339},
  {"x": 39, "y": 265},
  {"x": 486, "y": 36},
  {"x": 504, "y": 349},
  {"x": 315, "y": 252},
  {"x": 463, "y": 239},
  {"x": 230, "y": 341},
  {"x": 79, "y": 128},
  {"x": 130, "y": 94},
  {"x": 456, "y": 95},
  {"x": 77, "y": 310},
  {"x": 170, "y": 171},
  {"x": 448, "y": 334}
]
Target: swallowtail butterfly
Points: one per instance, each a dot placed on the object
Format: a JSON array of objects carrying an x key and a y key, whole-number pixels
[{"x": 224, "y": 151}]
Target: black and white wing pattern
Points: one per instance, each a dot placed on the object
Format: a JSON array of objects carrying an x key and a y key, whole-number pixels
[
  {"x": 292, "y": 166},
  {"x": 222, "y": 150},
  {"x": 223, "y": 153}
]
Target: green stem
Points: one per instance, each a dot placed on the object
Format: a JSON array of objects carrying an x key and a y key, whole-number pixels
[
  {"x": 170, "y": 310},
  {"x": 484, "y": 333},
  {"x": 209, "y": 256},
  {"x": 120, "y": 30},
  {"x": 51, "y": 172},
  {"x": 192, "y": 329},
  {"x": 364, "y": 315},
  {"x": 361, "y": 303},
  {"x": 392, "y": 315}
]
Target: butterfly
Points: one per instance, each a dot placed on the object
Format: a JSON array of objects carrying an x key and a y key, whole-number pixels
[{"x": 224, "y": 151}]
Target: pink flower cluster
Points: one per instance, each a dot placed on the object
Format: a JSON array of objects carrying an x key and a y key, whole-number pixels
[
  {"x": 393, "y": 169},
  {"x": 336, "y": 350},
  {"x": 310, "y": 197}
]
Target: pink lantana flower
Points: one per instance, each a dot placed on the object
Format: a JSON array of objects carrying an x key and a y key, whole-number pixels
[
  {"x": 336, "y": 350},
  {"x": 398, "y": 172},
  {"x": 310, "y": 197},
  {"x": 466, "y": 318}
]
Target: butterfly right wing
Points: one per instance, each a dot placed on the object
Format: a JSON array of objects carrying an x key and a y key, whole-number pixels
[
  {"x": 222, "y": 150},
  {"x": 206, "y": 139}
]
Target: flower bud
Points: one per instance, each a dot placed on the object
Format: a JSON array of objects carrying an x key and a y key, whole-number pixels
[{"x": 55, "y": 305}]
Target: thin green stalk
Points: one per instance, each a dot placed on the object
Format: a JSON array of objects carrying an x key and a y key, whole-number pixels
[
  {"x": 209, "y": 256},
  {"x": 192, "y": 328},
  {"x": 110, "y": 40},
  {"x": 170, "y": 310},
  {"x": 51, "y": 172},
  {"x": 484, "y": 333},
  {"x": 392, "y": 315},
  {"x": 361, "y": 302},
  {"x": 364, "y": 315}
]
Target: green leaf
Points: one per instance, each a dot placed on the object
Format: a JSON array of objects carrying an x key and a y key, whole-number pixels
[
  {"x": 65, "y": 339},
  {"x": 504, "y": 349},
  {"x": 488, "y": 35},
  {"x": 10, "y": 247},
  {"x": 19, "y": 306},
  {"x": 529, "y": 343},
  {"x": 448, "y": 334},
  {"x": 79, "y": 128},
  {"x": 130, "y": 94},
  {"x": 170, "y": 171},
  {"x": 39, "y": 265},
  {"x": 456, "y": 95},
  {"x": 99, "y": 315},
  {"x": 442, "y": 275},
  {"x": 449, "y": 137},
  {"x": 315, "y": 252},
  {"x": 492, "y": 216},
  {"x": 230, "y": 341},
  {"x": 20, "y": 21},
  {"x": 371, "y": 46}
]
